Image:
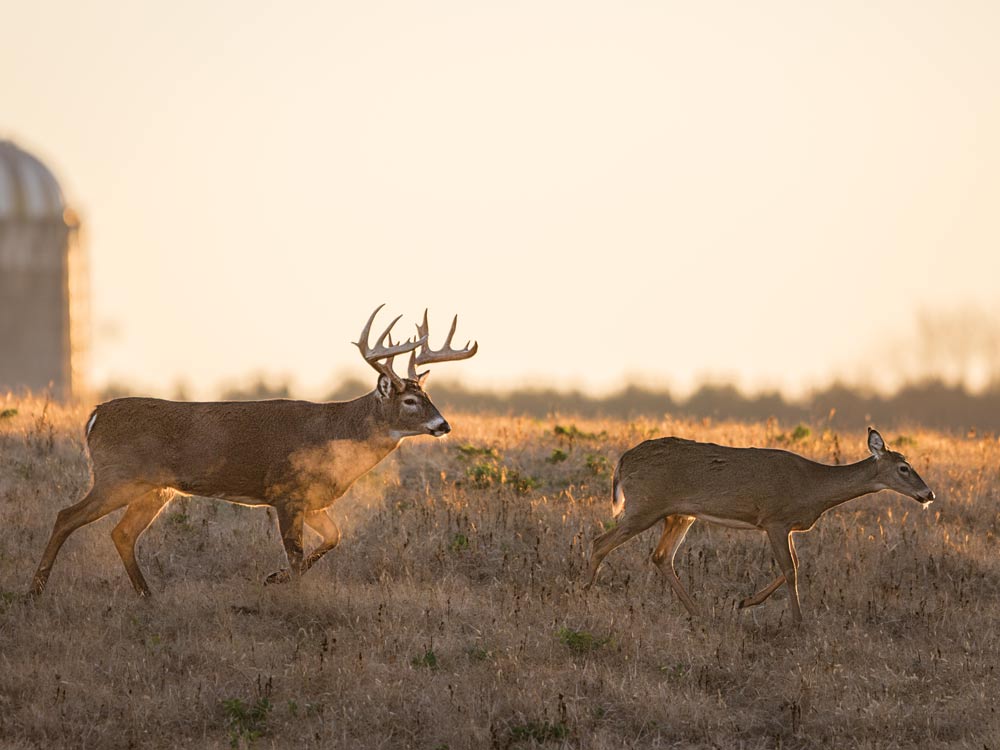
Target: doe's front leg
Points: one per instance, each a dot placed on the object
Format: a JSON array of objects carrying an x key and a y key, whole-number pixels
[
  {"x": 764, "y": 593},
  {"x": 781, "y": 544}
]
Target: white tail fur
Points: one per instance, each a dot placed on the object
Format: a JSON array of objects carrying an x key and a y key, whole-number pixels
[{"x": 618, "y": 494}]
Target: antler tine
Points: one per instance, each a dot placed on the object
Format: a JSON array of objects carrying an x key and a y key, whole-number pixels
[
  {"x": 372, "y": 354},
  {"x": 367, "y": 329},
  {"x": 426, "y": 355}
]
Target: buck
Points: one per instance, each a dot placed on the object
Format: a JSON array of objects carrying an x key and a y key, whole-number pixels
[
  {"x": 680, "y": 481},
  {"x": 296, "y": 456}
]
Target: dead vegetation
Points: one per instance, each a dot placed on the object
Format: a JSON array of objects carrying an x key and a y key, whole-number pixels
[{"x": 451, "y": 615}]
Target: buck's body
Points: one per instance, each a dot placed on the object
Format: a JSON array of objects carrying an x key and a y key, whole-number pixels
[
  {"x": 248, "y": 452},
  {"x": 296, "y": 456},
  {"x": 680, "y": 481}
]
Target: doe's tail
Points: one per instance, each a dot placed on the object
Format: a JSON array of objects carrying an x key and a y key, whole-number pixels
[{"x": 617, "y": 493}]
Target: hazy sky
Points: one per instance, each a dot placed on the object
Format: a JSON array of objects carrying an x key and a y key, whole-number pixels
[{"x": 603, "y": 190}]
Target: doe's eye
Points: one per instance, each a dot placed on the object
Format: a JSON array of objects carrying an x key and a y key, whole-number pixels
[{"x": 904, "y": 469}]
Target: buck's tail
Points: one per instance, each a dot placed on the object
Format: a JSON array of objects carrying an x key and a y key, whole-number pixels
[{"x": 617, "y": 493}]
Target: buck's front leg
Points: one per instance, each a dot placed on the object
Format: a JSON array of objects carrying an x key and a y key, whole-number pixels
[
  {"x": 290, "y": 518},
  {"x": 322, "y": 524}
]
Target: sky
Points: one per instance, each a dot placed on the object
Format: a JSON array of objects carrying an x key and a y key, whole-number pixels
[{"x": 658, "y": 192}]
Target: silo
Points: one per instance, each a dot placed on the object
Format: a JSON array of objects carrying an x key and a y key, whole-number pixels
[{"x": 43, "y": 320}]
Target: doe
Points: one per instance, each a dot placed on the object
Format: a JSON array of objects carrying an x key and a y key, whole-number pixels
[{"x": 680, "y": 481}]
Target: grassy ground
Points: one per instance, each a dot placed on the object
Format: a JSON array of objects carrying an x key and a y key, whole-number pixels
[{"x": 452, "y": 616}]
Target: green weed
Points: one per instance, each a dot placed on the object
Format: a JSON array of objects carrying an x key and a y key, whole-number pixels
[
  {"x": 539, "y": 731},
  {"x": 468, "y": 451},
  {"x": 478, "y": 653},
  {"x": 675, "y": 672},
  {"x": 800, "y": 433},
  {"x": 488, "y": 474},
  {"x": 426, "y": 660},
  {"x": 247, "y": 722},
  {"x": 599, "y": 465},
  {"x": 580, "y": 641},
  {"x": 572, "y": 433}
]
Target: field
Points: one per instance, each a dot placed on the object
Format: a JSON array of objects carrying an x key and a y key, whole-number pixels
[{"x": 452, "y": 615}]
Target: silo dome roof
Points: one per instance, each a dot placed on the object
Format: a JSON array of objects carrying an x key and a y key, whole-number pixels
[{"x": 28, "y": 190}]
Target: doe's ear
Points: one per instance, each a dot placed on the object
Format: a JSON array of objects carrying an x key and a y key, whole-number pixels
[
  {"x": 875, "y": 443},
  {"x": 384, "y": 387}
]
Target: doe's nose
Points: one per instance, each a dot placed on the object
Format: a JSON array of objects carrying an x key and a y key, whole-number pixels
[{"x": 444, "y": 428}]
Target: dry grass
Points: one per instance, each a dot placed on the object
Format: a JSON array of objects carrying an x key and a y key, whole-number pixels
[{"x": 452, "y": 616}]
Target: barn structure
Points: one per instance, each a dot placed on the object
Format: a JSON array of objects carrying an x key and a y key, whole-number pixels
[{"x": 43, "y": 293}]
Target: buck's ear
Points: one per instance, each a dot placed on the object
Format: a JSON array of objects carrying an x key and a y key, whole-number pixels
[
  {"x": 384, "y": 387},
  {"x": 422, "y": 378},
  {"x": 875, "y": 443}
]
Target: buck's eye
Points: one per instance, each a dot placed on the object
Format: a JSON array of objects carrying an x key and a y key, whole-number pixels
[
  {"x": 904, "y": 469},
  {"x": 409, "y": 402}
]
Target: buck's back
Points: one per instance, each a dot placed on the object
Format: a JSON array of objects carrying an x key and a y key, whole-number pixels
[{"x": 235, "y": 443}]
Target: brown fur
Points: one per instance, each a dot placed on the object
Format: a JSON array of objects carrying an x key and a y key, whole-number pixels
[
  {"x": 296, "y": 456},
  {"x": 678, "y": 481}
]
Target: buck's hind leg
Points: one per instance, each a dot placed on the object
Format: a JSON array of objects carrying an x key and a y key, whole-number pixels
[
  {"x": 764, "y": 593},
  {"x": 97, "y": 503},
  {"x": 675, "y": 528},
  {"x": 140, "y": 513}
]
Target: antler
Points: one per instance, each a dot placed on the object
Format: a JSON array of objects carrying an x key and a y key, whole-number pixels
[
  {"x": 427, "y": 356},
  {"x": 372, "y": 355}
]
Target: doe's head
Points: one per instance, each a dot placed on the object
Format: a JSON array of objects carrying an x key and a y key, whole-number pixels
[{"x": 895, "y": 472}]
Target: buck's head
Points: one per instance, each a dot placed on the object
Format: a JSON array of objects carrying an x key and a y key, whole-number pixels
[
  {"x": 406, "y": 409},
  {"x": 895, "y": 473}
]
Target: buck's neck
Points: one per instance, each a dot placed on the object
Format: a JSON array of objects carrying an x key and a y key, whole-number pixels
[
  {"x": 361, "y": 420},
  {"x": 838, "y": 484}
]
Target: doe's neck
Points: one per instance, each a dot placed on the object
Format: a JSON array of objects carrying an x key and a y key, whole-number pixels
[{"x": 843, "y": 483}]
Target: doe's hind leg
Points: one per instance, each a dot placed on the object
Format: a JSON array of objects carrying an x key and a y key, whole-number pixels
[
  {"x": 675, "y": 528},
  {"x": 603, "y": 544}
]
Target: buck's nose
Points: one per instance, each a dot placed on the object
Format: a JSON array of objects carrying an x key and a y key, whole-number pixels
[{"x": 438, "y": 427}]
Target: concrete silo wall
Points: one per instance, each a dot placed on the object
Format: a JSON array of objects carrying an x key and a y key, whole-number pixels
[{"x": 34, "y": 306}]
